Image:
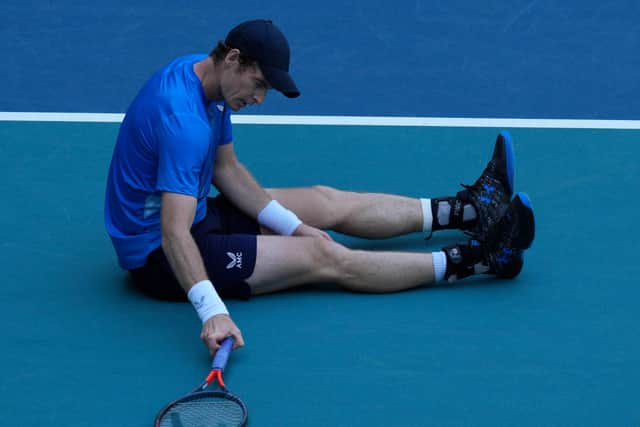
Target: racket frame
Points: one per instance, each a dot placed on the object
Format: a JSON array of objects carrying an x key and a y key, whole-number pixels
[{"x": 217, "y": 368}]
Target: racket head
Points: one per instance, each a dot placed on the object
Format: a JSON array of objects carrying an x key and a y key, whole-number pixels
[{"x": 204, "y": 408}]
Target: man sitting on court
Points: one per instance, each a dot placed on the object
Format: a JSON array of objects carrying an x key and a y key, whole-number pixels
[{"x": 176, "y": 141}]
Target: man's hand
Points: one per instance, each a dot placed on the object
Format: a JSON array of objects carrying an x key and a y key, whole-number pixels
[
  {"x": 217, "y": 329},
  {"x": 306, "y": 230}
]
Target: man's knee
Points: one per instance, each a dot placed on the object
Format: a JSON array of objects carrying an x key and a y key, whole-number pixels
[
  {"x": 331, "y": 257},
  {"x": 334, "y": 206},
  {"x": 328, "y": 193}
]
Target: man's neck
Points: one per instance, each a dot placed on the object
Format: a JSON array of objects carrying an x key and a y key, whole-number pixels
[{"x": 209, "y": 78}]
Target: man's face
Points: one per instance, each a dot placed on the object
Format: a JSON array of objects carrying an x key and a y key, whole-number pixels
[{"x": 243, "y": 86}]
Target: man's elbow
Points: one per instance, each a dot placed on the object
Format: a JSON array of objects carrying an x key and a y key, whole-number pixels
[
  {"x": 221, "y": 174},
  {"x": 171, "y": 235}
]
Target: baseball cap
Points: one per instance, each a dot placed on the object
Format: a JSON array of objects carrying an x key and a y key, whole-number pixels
[{"x": 263, "y": 42}]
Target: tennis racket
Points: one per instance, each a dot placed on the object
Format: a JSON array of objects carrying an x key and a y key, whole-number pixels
[{"x": 203, "y": 408}]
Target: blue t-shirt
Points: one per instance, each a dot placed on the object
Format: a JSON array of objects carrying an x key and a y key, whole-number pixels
[{"x": 167, "y": 142}]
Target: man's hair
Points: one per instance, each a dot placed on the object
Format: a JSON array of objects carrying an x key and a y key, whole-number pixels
[{"x": 221, "y": 50}]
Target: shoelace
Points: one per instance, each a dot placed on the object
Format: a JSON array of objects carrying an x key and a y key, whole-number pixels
[
  {"x": 466, "y": 187},
  {"x": 488, "y": 170}
]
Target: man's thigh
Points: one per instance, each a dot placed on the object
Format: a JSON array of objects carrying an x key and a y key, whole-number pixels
[
  {"x": 230, "y": 260},
  {"x": 227, "y": 242},
  {"x": 284, "y": 262},
  {"x": 313, "y": 205}
]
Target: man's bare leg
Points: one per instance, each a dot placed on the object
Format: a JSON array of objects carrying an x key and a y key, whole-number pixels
[
  {"x": 373, "y": 215},
  {"x": 286, "y": 262},
  {"x": 369, "y": 215}
]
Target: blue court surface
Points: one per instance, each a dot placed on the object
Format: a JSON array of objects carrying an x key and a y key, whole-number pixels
[{"x": 558, "y": 346}]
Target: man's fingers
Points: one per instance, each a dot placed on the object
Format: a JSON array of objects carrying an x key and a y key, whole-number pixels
[
  {"x": 216, "y": 329},
  {"x": 211, "y": 342},
  {"x": 238, "y": 340}
]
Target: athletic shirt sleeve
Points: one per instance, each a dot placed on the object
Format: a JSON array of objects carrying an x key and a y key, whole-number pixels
[
  {"x": 183, "y": 144},
  {"x": 226, "y": 134}
]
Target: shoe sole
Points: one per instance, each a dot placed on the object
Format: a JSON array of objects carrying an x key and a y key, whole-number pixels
[
  {"x": 509, "y": 156},
  {"x": 522, "y": 205}
]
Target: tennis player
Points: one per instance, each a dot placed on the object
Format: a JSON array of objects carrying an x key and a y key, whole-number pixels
[{"x": 178, "y": 243}]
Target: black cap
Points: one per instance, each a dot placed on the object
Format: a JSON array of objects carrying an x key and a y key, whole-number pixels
[{"x": 263, "y": 42}]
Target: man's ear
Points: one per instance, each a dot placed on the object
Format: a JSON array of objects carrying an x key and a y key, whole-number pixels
[{"x": 232, "y": 57}]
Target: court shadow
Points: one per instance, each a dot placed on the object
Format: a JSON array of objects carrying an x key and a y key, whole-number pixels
[
  {"x": 129, "y": 288},
  {"x": 415, "y": 242}
]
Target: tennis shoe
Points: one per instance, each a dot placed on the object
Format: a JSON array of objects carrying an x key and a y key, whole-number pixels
[
  {"x": 507, "y": 241},
  {"x": 501, "y": 253},
  {"x": 491, "y": 193}
]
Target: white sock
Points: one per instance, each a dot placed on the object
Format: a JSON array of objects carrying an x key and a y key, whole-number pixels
[
  {"x": 427, "y": 216},
  {"x": 439, "y": 265}
]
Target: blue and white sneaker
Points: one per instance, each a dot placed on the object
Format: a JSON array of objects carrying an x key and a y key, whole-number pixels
[{"x": 491, "y": 193}]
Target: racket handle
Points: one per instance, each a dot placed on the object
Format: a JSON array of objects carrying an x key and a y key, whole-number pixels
[{"x": 222, "y": 355}]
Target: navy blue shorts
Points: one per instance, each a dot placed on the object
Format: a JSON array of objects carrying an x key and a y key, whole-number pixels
[{"x": 227, "y": 241}]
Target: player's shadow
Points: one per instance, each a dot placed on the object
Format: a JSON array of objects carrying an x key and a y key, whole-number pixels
[{"x": 416, "y": 242}]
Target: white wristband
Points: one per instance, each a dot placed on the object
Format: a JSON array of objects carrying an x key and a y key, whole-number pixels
[
  {"x": 278, "y": 218},
  {"x": 206, "y": 301}
]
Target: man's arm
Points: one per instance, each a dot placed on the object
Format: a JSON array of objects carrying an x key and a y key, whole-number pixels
[
  {"x": 176, "y": 217},
  {"x": 237, "y": 184},
  {"x": 241, "y": 188}
]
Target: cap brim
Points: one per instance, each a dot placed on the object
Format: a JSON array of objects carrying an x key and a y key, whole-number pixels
[{"x": 281, "y": 81}]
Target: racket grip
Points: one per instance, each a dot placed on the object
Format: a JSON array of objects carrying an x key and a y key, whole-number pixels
[{"x": 222, "y": 355}]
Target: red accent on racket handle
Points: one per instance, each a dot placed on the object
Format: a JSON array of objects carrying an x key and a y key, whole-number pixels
[
  {"x": 220, "y": 361},
  {"x": 217, "y": 375},
  {"x": 211, "y": 376},
  {"x": 220, "y": 381}
]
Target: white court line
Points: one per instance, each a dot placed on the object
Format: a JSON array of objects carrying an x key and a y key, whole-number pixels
[
  {"x": 348, "y": 121},
  {"x": 11, "y": 116}
]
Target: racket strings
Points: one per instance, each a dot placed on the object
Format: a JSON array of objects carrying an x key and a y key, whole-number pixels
[{"x": 204, "y": 411}]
